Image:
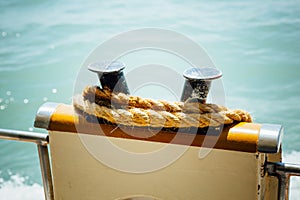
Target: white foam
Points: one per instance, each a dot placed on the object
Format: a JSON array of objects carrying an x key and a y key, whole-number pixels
[
  {"x": 54, "y": 90},
  {"x": 4, "y": 34},
  {"x": 26, "y": 101},
  {"x": 16, "y": 189},
  {"x": 294, "y": 158}
]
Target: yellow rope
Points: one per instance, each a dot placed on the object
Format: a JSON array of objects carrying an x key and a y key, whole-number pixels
[{"x": 136, "y": 111}]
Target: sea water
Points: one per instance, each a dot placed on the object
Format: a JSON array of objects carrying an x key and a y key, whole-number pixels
[{"x": 43, "y": 43}]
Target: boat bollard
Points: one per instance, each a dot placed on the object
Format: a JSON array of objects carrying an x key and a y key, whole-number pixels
[
  {"x": 198, "y": 82},
  {"x": 111, "y": 75}
]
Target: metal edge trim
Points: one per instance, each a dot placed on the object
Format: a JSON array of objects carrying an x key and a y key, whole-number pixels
[
  {"x": 270, "y": 138},
  {"x": 43, "y": 115}
]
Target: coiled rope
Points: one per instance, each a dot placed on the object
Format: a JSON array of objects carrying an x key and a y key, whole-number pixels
[{"x": 119, "y": 108}]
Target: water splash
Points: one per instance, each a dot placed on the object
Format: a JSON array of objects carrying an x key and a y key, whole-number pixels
[
  {"x": 4, "y": 34},
  {"x": 16, "y": 189},
  {"x": 54, "y": 90},
  {"x": 26, "y": 101}
]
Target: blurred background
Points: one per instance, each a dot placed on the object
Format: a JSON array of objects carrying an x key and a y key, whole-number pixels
[{"x": 43, "y": 44}]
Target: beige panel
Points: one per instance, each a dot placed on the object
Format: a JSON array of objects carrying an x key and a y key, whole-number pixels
[{"x": 220, "y": 175}]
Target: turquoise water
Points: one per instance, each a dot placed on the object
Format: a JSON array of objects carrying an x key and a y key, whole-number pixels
[{"x": 43, "y": 43}]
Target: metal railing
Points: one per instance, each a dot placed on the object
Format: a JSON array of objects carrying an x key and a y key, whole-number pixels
[
  {"x": 41, "y": 140},
  {"x": 283, "y": 171}
]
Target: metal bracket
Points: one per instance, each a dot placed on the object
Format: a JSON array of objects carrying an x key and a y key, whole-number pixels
[
  {"x": 283, "y": 172},
  {"x": 43, "y": 115},
  {"x": 270, "y": 137}
]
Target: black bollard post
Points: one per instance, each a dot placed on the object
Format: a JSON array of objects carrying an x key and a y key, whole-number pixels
[
  {"x": 111, "y": 75},
  {"x": 198, "y": 82}
]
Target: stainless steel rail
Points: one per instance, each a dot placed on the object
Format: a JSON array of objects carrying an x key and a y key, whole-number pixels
[
  {"x": 42, "y": 144},
  {"x": 38, "y": 138},
  {"x": 283, "y": 171}
]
